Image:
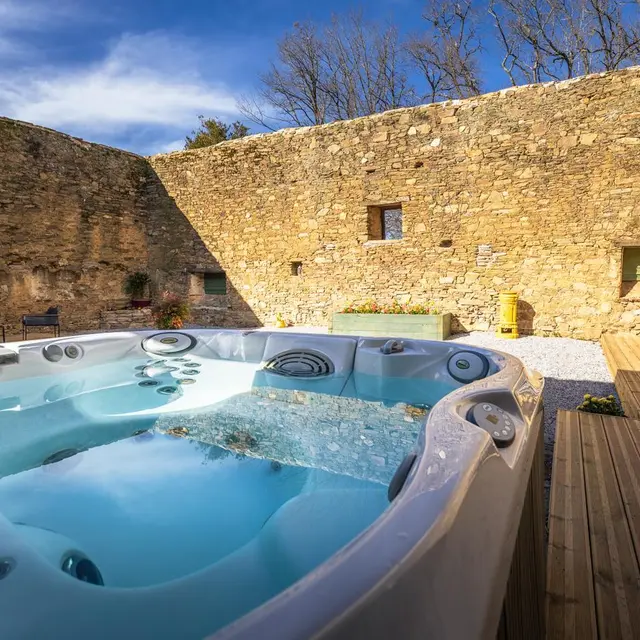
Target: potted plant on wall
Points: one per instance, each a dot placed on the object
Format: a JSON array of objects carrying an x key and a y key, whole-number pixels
[{"x": 136, "y": 285}]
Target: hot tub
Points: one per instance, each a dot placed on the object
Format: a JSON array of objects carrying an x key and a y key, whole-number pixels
[{"x": 187, "y": 484}]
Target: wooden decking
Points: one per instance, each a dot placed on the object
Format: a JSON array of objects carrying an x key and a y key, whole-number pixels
[
  {"x": 593, "y": 574},
  {"x": 623, "y": 358}
]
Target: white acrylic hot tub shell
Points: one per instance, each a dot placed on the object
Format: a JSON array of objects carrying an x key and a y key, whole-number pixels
[{"x": 433, "y": 565}]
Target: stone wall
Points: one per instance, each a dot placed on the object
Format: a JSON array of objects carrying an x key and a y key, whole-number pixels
[
  {"x": 532, "y": 189},
  {"x": 126, "y": 319},
  {"x": 346, "y": 435},
  {"x": 72, "y": 221},
  {"x": 75, "y": 219},
  {"x": 535, "y": 189}
]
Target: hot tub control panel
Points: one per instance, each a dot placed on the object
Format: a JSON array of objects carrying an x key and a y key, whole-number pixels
[{"x": 496, "y": 421}]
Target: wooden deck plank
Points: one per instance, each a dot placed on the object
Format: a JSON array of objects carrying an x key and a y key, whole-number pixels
[
  {"x": 622, "y": 353},
  {"x": 629, "y": 398},
  {"x": 615, "y": 566},
  {"x": 631, "y": 379},
  {"x": 570, "y": 605},
  {"x": 623, "y": 436},
  {"x": 616, "y": 357},
  {"x": 631, "y": 344},
  {"x": 523, "y": 614}
]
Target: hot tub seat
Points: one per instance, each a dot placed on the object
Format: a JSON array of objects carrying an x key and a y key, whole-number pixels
[{"x": 293, "y": 541}]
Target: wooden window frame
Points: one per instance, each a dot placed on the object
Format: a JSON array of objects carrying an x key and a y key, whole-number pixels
[
  {"x": 376, "y": 222},
  {"x": 629, "y": 287}
]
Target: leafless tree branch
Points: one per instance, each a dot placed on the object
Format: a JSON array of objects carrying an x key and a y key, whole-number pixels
[
  {"x": 352, "y": 68},
  {"x": 558, "y": 39},
  {"x": 447, "y": 54}
]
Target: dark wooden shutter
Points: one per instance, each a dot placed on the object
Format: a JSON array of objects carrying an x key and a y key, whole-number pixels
[{"x": 215, "y": 284}]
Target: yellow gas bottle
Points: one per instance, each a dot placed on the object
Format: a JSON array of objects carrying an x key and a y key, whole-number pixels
[{"x": 508, "y": 326}]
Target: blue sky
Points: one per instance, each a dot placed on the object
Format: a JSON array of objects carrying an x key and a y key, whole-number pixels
[{"x": 136, "y": 73}]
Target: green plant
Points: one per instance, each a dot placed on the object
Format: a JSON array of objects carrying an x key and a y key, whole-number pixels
[
  {"x": 394, "y": 308},
  {"x": 171, "y": 312},
  {"x": 608, "y": 406},
  {"x": 212, "y": 131},
  {"x": 136, "y": 283}
]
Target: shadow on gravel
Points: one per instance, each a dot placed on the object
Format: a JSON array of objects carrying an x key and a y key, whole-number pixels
[{"x": 568, "y": 394}]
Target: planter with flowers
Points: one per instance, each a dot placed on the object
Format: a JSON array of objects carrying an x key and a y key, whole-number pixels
[
  {"x": 421, "y": 321},
  {"x": 171, "y": 312}
]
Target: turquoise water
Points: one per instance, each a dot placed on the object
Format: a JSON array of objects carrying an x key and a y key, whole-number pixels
[
  {"x": 154, "y": 508},
  {"x": 268, "y": 482}
]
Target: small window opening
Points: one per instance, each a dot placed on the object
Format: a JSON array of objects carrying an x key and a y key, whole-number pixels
[
  {"x": 385, "y": 222},
  {"x": 215, "y": 283},
  {"x": 296, "y": 268},
  {"x": 630, "y": 272}
]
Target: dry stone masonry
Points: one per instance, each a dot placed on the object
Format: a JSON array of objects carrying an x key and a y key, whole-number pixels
[
  {"x": 126, "y": 318},
  {"x": 535, "y": 189},
  {"x": 354, "y": 437},
  {"x": 75, "y": 219},
  {"x": 532, "y": 189}
]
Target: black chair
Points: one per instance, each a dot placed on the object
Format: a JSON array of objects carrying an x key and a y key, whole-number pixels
[{"x": 48, "y": 319}]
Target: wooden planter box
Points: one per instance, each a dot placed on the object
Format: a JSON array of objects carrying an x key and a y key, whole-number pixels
[{"x": 436, "y": 327}]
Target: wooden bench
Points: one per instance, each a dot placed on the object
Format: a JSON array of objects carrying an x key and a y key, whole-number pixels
[
  {"x": 593, "y": 574},
  {"x": 622, "y": 353}
]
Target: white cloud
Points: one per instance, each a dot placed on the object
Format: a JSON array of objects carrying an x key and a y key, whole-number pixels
[
  {"x": 144, "y": 80},
  {"x": 29, "y": 15},
  {"x": 174, "y": 145}
]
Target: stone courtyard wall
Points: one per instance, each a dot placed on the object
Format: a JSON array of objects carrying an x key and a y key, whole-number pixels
[
  {"x": 72, "y": 224},
  {"x": 75, "y": 219},
  {"x": 532, "y": 189},
  {"x": 535, "y": 189}
]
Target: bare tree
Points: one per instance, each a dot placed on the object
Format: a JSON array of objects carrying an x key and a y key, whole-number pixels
[
  {"x": 447, "y": 54},
  {"x": 292, "y": 90},
  {"x": 616, "y": 33},
  {"x": 352, "y": 68},
  {"x": 558, "y": 39},
  {"x": 366, "y": 68}
]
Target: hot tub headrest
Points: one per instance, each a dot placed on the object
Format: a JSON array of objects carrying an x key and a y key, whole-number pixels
[{"x": 241, "y": 346}]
